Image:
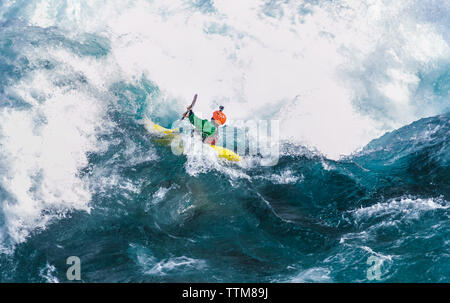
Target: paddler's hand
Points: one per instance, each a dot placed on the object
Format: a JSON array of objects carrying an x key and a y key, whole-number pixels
[{"x": 189, "y": 108}]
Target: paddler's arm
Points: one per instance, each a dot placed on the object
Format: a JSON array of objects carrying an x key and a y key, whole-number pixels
[
  {"x": 196, "y": 121},
  {"x": 203, "y": 126}
]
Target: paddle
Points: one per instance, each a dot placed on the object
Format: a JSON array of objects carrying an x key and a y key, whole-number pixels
[{"x": 190, "y": 106}]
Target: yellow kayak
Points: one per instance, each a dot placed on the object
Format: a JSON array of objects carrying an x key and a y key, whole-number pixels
[{"x": 165, "y": 136}]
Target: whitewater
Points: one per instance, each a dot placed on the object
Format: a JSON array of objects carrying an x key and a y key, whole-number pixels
[{"x": 360, "y": 90}]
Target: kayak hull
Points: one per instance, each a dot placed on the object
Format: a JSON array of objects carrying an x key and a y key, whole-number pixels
[{"x": 165, "y": 136}]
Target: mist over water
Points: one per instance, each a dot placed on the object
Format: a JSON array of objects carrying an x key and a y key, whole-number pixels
[{"x": 361, "y": 93}]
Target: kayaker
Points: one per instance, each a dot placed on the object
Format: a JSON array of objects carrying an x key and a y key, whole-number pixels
[{"x": 208, "y": 129}]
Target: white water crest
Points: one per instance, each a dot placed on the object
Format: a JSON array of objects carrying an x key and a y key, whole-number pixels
[{"x": 337, "y": 74}]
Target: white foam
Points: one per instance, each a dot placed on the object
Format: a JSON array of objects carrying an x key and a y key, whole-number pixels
[
  {"x": 159, "y": 195},
  {"x": 409, "y": 208},
  {"x": 286, "y": 177},
  {"x": 165, "y": 266},
  {"x": 152, "y": 266},
  {"x": 306, "y": 70},
  {"x": 43, "y": 148},
  {"x": 201, "y": 159},
  {"x": 311, "y": 275},
  {"x": 48, "y": 273},
  {"x": 336, "y": 78}
]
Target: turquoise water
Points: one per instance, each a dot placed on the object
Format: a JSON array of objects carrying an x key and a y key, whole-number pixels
[{"x": 80, "y": 176}]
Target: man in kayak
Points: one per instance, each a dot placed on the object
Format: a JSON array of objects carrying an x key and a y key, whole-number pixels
[{"x": 208, "y": 129}]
